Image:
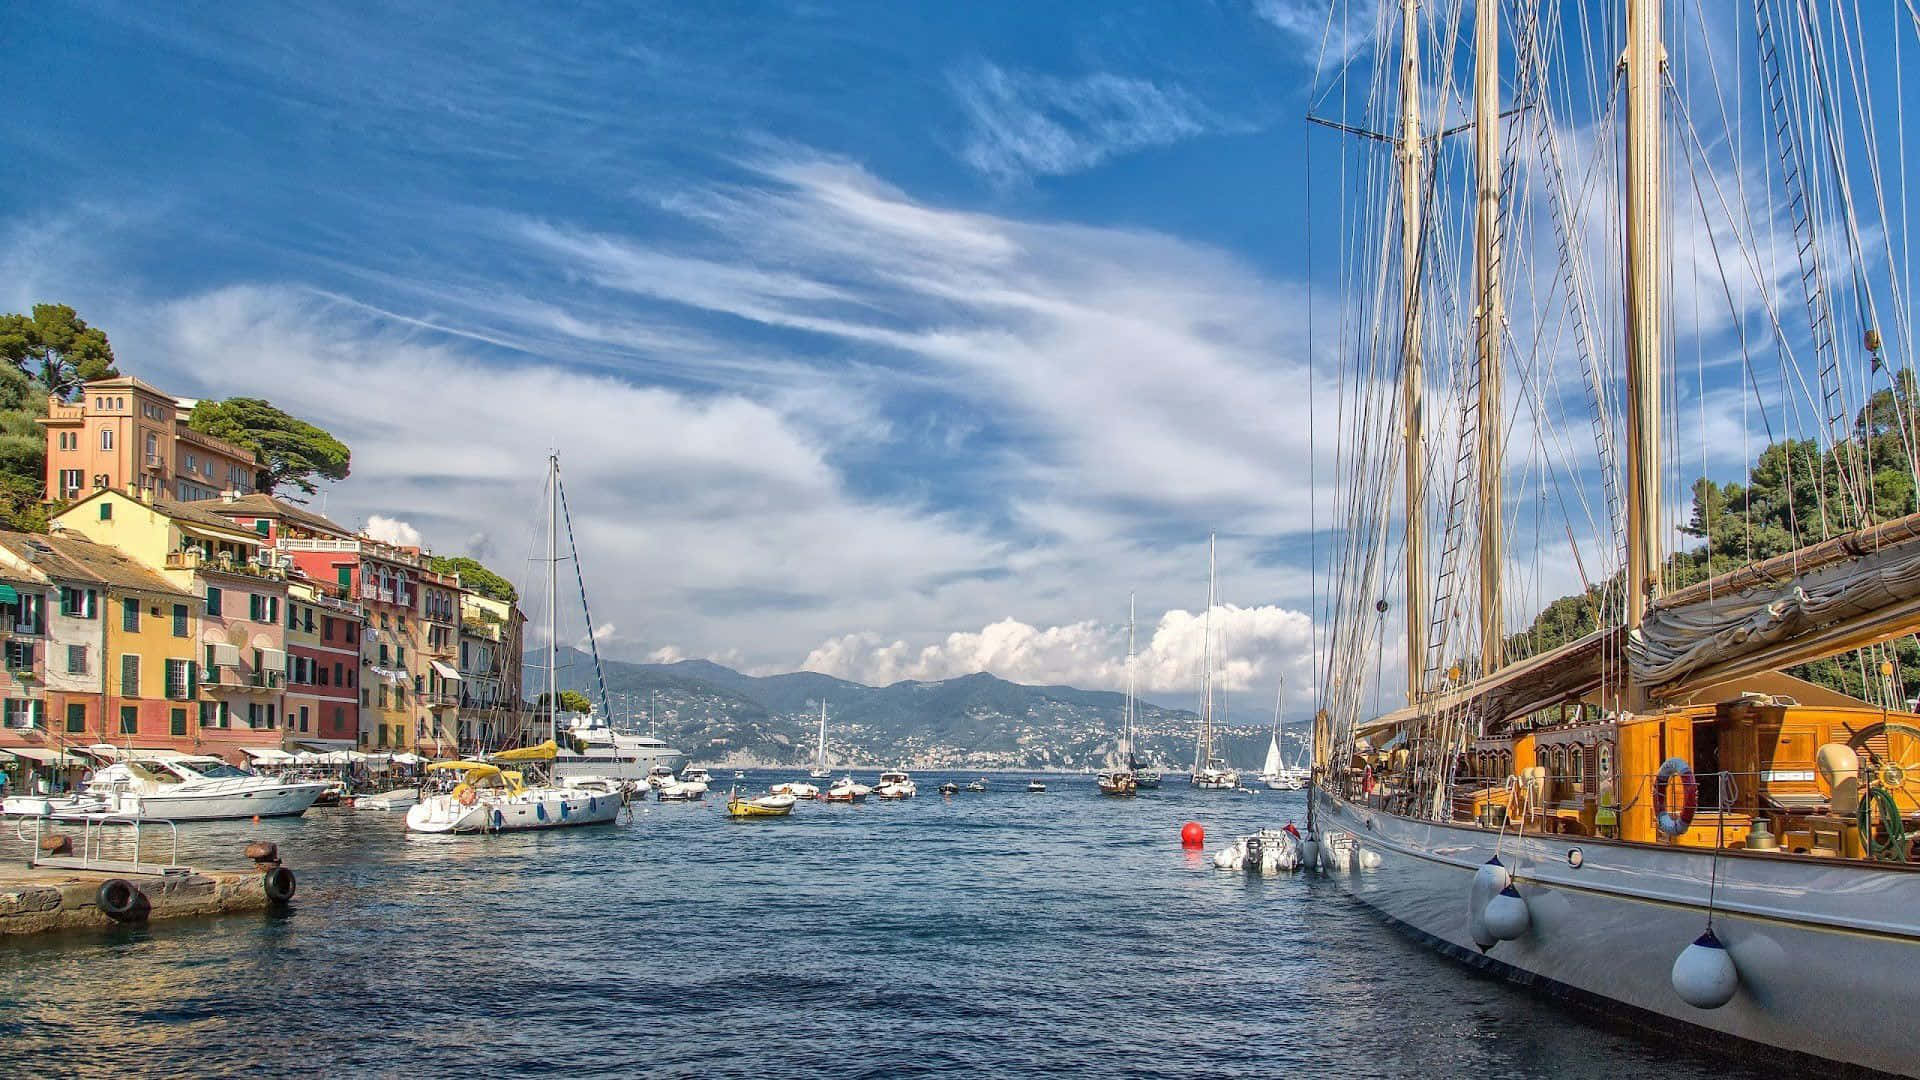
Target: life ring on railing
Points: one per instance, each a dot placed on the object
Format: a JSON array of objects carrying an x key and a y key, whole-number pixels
[
  {"x": 467, "y": 796},
  {"x": 1670, "y": 824}
]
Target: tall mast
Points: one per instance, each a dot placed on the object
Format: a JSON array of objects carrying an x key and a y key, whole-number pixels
[
  {"x": 1411, "y": 153},
  {"x": 1130, "y": 754},
  {"x": 1206, "y": 665},
  {"x": 1486, "y": 259},
  {"x": 1644, "y": 258},
  {"x": 553, "y": 595}
]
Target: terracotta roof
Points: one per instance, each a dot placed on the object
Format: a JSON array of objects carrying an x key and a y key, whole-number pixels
[
  {"x": 73, "y": 558},
  {"x": 266, "y": 506},
  {"x": 196, "y": 512}
]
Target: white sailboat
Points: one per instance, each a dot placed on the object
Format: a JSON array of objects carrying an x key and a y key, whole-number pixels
[
  {"x": 1275, "y": 772},
  {"x": 820, "y": 770},
  {"x": 489, "y": 798},
  {"x": 1121, "y": 778},
  {"x": 1209, "y": 772}
]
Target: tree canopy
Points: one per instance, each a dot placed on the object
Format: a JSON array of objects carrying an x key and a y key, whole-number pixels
[
  {"x": 55, "y": 346},
  {"x": 292, "y": 452},
  {"x": 571, "y": 701},
  {"x": 476, "y": 577},
  {"x": 1793, "y": 496}
]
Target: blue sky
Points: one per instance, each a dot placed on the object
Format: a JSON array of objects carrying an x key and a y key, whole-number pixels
[
  {"x": 894, "y": 340},
  {"x": 911, "y": 337}
]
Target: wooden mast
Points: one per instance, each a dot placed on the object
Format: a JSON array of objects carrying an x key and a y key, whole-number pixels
[
  {"x": 1644, "y": 337},
  {"x": 1492, "y": 319},
  {"x": 1411, "y": 153}
]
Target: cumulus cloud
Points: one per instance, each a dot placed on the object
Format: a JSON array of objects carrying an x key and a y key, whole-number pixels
[
  {"x": 1252, "y": 647},
  {"x": 393, "y": 531}
]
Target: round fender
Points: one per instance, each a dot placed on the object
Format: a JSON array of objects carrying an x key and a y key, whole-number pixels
[
  {"x": 1669, "y": 822},
  {"x": 121, "y": 901},
  {"x": 279, "y": 884}
]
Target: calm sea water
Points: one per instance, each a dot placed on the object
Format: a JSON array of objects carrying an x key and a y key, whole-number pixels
[{"x": 1004, "y": 933}]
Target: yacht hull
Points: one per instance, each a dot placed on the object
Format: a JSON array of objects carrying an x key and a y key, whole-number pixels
[
  {"x": 545, "y": 809},
  {"x": 1824, "y": 949},
  {"x": 278, "y": 801}
]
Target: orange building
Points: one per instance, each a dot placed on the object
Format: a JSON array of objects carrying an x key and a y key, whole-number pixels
[{"x": 124, "y": 434}]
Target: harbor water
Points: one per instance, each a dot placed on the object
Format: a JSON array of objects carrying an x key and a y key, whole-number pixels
[{"x": 1003, "y": 933}]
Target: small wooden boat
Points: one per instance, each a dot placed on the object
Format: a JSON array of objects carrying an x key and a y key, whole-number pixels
[
  {"x": 1118, "y": 782},
  {"x": 764, "y": 806},
  {"x": 1036, "y": 786}
]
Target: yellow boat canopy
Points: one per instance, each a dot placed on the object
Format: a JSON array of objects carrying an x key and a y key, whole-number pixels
[
  {"x": 448, "y": 766},
  {"x": 543, "y": 752}
]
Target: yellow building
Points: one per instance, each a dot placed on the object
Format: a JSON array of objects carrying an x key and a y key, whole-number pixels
[{"x": 240, "y": 635}]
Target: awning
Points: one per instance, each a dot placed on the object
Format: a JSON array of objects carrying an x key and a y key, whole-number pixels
[
  {"x": 45, "y": 757},
  {"x": 446, "y": 670},
  {"x": 6, "y": 755},
  {"x": 110, "y": 752},
  {"x": 266, "y": 753},
  {"x": 7, "y": 595},
  {"x": 407, "y": 759}
]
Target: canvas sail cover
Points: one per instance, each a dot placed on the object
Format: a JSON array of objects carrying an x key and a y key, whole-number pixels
[{"x": 1842, "y": 594}]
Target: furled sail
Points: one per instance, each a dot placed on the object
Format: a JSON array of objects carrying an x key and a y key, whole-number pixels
[{"x": 1841, "y": 594}]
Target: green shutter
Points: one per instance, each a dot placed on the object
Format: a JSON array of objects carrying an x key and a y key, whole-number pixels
[
  {"x": 213, "y": 600},
  {"x": 8, "y": 595},
  {"x": 179, "y": 620}
]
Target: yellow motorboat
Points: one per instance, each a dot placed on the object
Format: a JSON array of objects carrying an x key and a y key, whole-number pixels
[{"x": 764, "y": 806}]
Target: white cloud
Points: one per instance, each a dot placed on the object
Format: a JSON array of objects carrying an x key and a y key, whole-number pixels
[
  {"x": 393, "y": 531},
  {"x": 1025, "y": 125},
  {"x": 1329, "y": 33},
  {"x": 1252, "y": 647}
]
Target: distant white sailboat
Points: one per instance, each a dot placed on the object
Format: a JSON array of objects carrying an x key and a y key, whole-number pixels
[
  {"x": 1209, "y": 772},
  {"x": 1275, "y": 772},
  {"x": 820, "y": 770}
]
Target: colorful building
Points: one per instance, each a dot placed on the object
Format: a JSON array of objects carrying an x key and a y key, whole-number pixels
[
  {"x": 323, "y": 665},
  {"x": 490, "y": 636},
  {"x": 123, "y": 434},
  {"x": 241, "y": 583},
  {"x": 119, "y": 638}
]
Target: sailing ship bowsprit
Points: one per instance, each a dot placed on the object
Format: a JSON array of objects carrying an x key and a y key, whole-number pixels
[{"x": 1657, "y": 814}]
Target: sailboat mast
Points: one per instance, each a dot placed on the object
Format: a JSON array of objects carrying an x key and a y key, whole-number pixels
[
  {"x": 1486, "y": 153},
  {"x": 1130, "y": 753},
  {"x": 1644, "y": 57},
  {"x": 1206, "y": 675},
  {"x": 553, "y": 595},
  {"x": 1411, "y": 153}
]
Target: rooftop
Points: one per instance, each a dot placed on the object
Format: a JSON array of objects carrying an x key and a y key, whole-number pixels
[
  {"x": 266, "y": 506},
  {"x": 67, "y": 557}
]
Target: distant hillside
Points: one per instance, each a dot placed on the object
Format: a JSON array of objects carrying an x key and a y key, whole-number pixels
[{"x": 722, "y": 716}]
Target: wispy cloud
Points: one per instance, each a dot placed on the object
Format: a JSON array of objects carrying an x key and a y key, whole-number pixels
[{"x": 1026, "y": 125}]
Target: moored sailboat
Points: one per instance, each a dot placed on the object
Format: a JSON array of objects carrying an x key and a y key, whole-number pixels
[
  {"x": 820, "y": 770},
  {"x": 1209, "y": 772}
]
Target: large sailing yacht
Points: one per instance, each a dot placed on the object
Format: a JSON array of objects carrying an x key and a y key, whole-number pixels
[
  {"x": 1656, "y": 815},
  {"x": 1121, "y": 777},
  {"x": 1210, "y": 773}
]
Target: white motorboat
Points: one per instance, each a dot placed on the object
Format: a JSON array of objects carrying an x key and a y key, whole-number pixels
[
  {"x": 820, "y": 770},
  {"x": 184, "y": 789},
  {"x": 597, "y": 785},
  {"x": 895, "y": 785},
  {"x": 491, "y": 799},
  {"x": 798, "y": 789},
  {"x": 30, "y": 805},
  {"x": 680, "y": 791},
  {"x": 591, "y": 748},
  {"x": 659, "y": 776},
  {"x": 397, "y": 799},
  {"x": 1212, "y": 779},
  {"x": 848, "y": 790},
  {"x": 697, "y": 774}
]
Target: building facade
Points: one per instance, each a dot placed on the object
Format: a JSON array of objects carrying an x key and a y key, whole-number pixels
[
  {"x": 490, "y": 705},
  {"x": 323, "y": 665},
  {"x": 124, "y": 434},
  {"x": 239, "y": 639}
]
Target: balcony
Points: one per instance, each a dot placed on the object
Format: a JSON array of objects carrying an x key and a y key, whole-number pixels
[
  {"x": 441, "y": 699},
  {"x": 155, "y": 463},
  {"x": 229, "y": 677},
  {"x": 266, "y": 566}
]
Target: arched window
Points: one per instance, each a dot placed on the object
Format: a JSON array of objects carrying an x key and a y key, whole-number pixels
[{"x": 1576, "y": 771}]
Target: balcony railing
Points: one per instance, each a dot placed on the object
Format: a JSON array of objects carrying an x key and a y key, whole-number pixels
[
  {"x": 197, "y": 560},
  {"x": 229, "y": 677},
  {"x": 441, "y": 699}
]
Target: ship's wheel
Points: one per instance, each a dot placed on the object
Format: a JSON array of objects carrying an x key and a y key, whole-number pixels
[{"x": 1890, "y": 756}]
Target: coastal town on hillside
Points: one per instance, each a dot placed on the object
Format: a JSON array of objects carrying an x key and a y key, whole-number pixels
[{"x": 174, "y": 605}]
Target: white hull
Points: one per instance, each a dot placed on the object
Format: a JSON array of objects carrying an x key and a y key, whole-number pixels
[
  {"x": 1824, "y": 949},
  {"x": 287, "y": 800},
  {"x": 615, "y": 766},
  {"x": 537, "y": 808},
  {"x": 398, "y": 799},
  {"x": 1210, "y": 780}
]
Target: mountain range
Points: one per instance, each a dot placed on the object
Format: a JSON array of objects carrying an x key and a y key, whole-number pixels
[{"x": 725, "y": 717}]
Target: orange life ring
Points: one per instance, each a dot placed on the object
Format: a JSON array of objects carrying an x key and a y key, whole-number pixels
[{"x": 468, "y": 797}]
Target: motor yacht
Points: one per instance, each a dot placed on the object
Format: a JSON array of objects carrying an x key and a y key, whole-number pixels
[
  {"x": 799, "y": 789},
  {"x": 895, "y": 785},
  {"x": 591, "y": 748},
  {"x": 848, "y": 790},
  {"x": 184, "y": 789},
  {"x": 978, "y": 785}
]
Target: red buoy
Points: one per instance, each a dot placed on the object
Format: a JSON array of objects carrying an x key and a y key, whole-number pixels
[{"x": 1192, "y": 835}]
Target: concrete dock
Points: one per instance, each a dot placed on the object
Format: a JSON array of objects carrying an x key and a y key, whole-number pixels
[{"x": 66, "y": 893}]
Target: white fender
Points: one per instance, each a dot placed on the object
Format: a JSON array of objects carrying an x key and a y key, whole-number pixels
[
  {"x": 1506, "y": 915},
  {"x": 1487, "y": 883},
  {"x": 1229, "y": 858},
  {"x": 1369, "y": 860},
  {"x": 1704, "y": 975},
  {"x": 1310, "y": 853}
]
